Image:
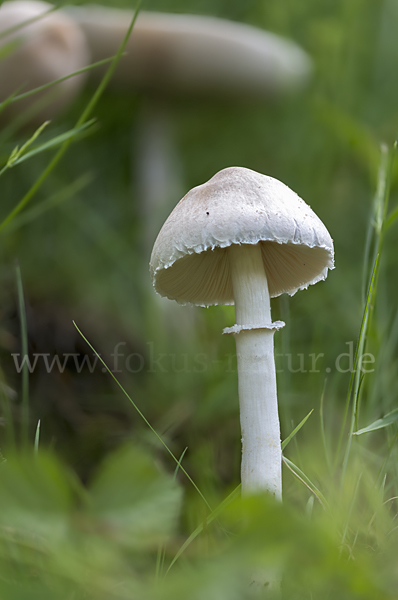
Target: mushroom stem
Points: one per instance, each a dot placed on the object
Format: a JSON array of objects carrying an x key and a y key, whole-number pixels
[{"x": 254, "y": 336}]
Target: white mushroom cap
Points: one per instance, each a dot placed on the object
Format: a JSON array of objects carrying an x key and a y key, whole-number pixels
[
  {"x": 50, "y": 47},
  {"x": 193, "y": 54},
  {"x": 189, "y": 262}
]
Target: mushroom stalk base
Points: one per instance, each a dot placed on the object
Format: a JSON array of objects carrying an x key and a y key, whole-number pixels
[{"x": 261, "y": 443}]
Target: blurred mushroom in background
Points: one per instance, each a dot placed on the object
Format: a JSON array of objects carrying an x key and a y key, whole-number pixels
[
  {"x": 39, "y": 45},
  {"x": 190, "y": 54}
]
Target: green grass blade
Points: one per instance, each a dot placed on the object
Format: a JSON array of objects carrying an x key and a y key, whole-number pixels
[
  {"x": 375, "y": 225},
  {"x": 382, "y": 471},
  {"x": 5, "y": 402},
  {"x": 104, "y": 82},
  {"x": 8, "y": 48},
  {"x": 352, "y": 503},
  {"x": 161, "y": 555},
  {"x": 8, "y": 101},
  {"x": 296, "y": 430},
  {"x": 213, "y": 515},
  {"x": 179, "y": 463},
  {"x": 17, "y": 152},
  {"x": 355, "y": 381},
  {"x": 375, "y": 237},
  {"x": 382, "y": 189},
  {"x": 20, "y": 155},
  {"x": 16, "y": 97},
  {"x": 49, "y": 203},
  {"x": 305, "y": 481},
  {"x": 159, "y": 562},
  {"x": 393, "y": 216},
  {"x": 323, "y": 431},
  {"x": 25, "y": 371},
  {"x": 37, "y": 437},
  {"x": 388, "y": 419},
  {"x": 22, "y": 24},
  {"x": 143, "y": 417}
]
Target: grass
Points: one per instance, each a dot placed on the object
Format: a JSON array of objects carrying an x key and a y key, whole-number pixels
[{"x": 125, "y": 483}]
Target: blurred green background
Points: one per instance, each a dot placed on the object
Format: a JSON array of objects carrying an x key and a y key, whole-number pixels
[{"x": 85, "y": 257}]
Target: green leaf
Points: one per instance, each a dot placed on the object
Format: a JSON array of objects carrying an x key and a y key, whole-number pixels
[
  {"x": 389, "y": 419},
  {"x": 35, "y": 498},
  {"x": 134, "y": 500}
]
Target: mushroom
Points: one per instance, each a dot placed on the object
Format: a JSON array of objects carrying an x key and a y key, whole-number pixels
[
  {"x": 49, "y": 45},
  {"x": 192, "y": 54},
  {"x": 243, "y": 238}
]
